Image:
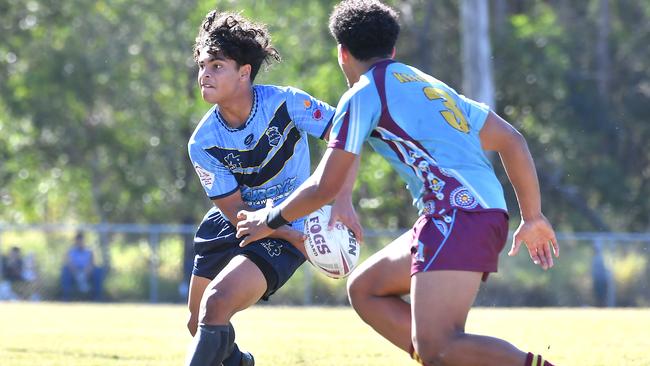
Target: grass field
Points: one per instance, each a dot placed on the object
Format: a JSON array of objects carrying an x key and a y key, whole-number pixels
[{"x": 126, "y": 334}]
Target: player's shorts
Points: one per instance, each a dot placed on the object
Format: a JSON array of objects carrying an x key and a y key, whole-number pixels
[
  {"x": 461, "y": 241},
  {"x": 215, "y": 244}
]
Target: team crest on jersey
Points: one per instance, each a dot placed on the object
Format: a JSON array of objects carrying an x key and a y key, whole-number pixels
[
  {"x": 273, "y": 248},
  {"x": 207, "y": 178},
  {"x": 306, "y": 103},
  {"x": 233, "y": 161},
  {"x": 274, "y": 136}
]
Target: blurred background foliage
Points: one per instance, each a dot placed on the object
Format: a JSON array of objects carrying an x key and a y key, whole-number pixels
[{"x": 98, "y": 99}]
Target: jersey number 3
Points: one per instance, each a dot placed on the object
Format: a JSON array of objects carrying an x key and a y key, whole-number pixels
[{"x": 452, "y": 114}]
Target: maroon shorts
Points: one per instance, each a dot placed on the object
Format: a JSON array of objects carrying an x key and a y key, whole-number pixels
[{"x": 461, "y": 241}]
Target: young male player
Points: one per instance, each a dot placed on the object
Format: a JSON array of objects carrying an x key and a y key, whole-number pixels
[
  {"x": 249, "y": 148},
  {"x": 435, "y": 138}
]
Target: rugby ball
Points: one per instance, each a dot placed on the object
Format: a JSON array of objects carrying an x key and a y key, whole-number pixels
[{"x": 335, "y": 252}]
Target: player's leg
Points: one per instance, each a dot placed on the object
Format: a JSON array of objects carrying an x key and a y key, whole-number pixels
[
  {"x": 375, "y": 289},
  {"x": 441, "y": 301},
  {"x": 215, "y": 245},
  {"x": 198, "y": 285},
  {"x": 451, "y": 254},
  {"x": 239, "y": 285}
]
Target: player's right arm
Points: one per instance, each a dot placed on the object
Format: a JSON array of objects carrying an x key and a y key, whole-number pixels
[{"x": 534, "y": 231}]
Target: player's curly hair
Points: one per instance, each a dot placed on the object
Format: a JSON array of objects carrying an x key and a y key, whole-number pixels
[
  {"x": 236, "y": 38},
  {"x": 367, "y": 28}
]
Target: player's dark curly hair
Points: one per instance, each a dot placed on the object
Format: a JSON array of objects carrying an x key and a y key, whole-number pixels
[
  {"x": 236, "y": 38},
  {"x": 367, "y": 28}
]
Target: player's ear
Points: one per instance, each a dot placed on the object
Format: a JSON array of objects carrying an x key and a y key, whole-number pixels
[
  {"x": 344, "y": 54},
  {"x": 245, "y": 71}
]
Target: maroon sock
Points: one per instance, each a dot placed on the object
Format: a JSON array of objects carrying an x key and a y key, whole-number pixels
[{"x": 536, "y": 360}]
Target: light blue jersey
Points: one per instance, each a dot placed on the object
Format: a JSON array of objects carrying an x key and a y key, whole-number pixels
[
  {"x": 426, "y": 131},
  {"x": 268, "y": 156}
]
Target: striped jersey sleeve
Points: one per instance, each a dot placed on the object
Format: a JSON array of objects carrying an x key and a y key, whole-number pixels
[{"x": 216, "y": 179}]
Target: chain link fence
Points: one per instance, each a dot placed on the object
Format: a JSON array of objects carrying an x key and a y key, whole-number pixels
[{"x": 152, "y": 263}]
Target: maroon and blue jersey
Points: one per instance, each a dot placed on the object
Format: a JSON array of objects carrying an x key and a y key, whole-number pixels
[{"x": 426, "y": 131}]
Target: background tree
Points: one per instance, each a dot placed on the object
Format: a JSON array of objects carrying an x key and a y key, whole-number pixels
[{"x": 98, "y": 98}]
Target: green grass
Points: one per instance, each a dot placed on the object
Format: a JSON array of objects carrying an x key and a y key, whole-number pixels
[{"x": 110, "y": 335}]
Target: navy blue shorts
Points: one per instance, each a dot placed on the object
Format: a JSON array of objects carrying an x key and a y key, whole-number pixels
[{"x": 215, "y": 244}]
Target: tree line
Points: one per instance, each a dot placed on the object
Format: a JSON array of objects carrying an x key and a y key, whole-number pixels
[{"x": 98, "y": 99}]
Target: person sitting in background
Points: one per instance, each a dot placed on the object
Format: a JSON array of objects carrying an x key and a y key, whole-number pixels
[
  {"x": 12, "y": 272},
  {"x": 80, "y": 273}
]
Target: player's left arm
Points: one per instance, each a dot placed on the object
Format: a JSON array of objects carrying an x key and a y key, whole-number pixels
[
  {"x": 343, "y": 208},
  {"x": 534, "y": 231}
]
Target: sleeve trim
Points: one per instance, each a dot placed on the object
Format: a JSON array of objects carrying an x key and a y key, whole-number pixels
[
  {"x": 224, "y": 194},
  {"x": 327, "y": 127}
]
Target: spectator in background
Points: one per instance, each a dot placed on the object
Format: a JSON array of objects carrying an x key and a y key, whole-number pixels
[
  {"x": 12, "y": 272},
  {"x": 80, "y": 273},
  {"x": 12, "y": 265},
  {"x": 601, "y": 278},
  {"x": 30, "y": 276}
]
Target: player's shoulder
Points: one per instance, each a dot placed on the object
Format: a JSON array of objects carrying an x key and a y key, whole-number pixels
[
  {"x": 278, "y": 91},
  {"x": 364, "y": 90},
  {"x": 206, "y": 123}
]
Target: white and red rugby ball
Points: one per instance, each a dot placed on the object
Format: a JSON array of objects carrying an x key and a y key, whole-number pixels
[{"x": 334, "y": 252}]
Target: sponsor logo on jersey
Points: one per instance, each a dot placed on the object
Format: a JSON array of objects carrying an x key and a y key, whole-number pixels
[
  {"x": 258, "y": 196},
  {"x": 274, "y": 136},
  {"x": 248, "y": 140},
  {"x": 207, "y": 178}
]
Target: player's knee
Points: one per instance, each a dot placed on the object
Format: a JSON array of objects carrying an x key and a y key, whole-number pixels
[
  {"x": 357, "y": 289},
  {"x": 430, "y": 354},
  {"x": 433, "y": 348},
  {"x": 218, "y": 307}
]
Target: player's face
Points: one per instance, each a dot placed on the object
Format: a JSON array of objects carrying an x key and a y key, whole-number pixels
[{"x": 219, "y": 77}]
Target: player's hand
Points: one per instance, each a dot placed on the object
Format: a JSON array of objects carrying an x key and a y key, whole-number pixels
[
  {"x": 539, "y": 237},
  {"x": 295, "y": 237},
  {"x": 252, "y": 225},
  {"x": 343, "y": 210}
]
